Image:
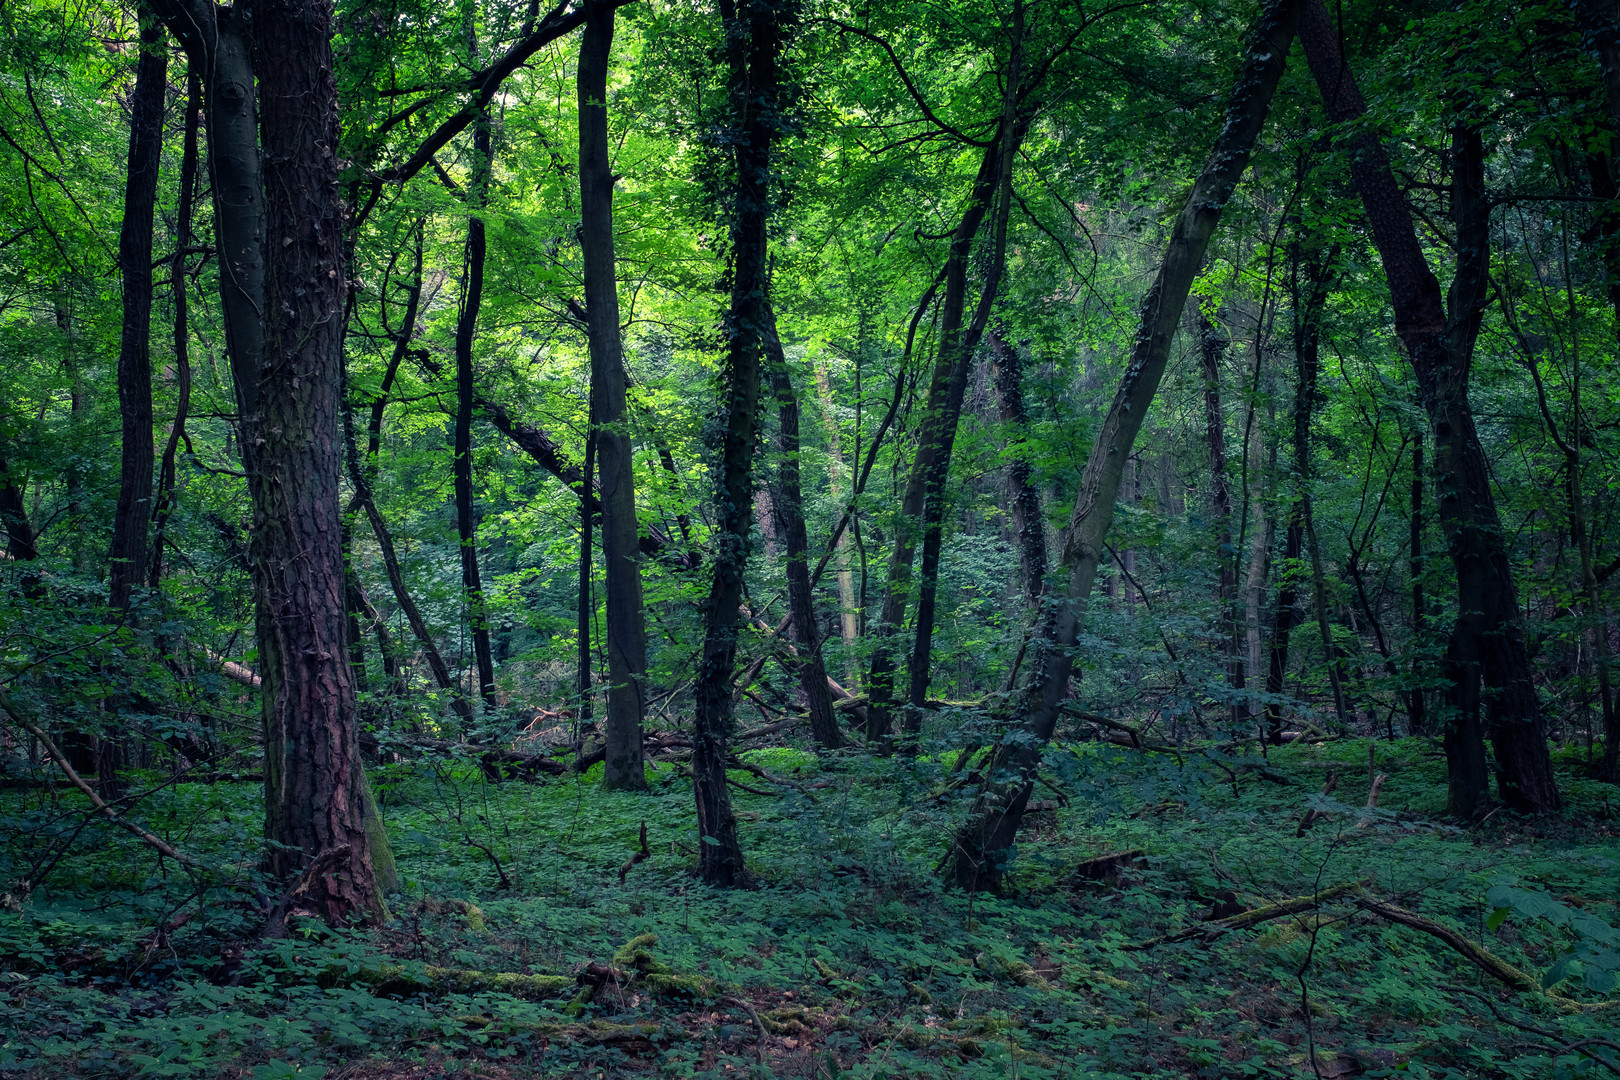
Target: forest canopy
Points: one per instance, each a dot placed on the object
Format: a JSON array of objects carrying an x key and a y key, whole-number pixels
[{"x": 978, "y": 537}]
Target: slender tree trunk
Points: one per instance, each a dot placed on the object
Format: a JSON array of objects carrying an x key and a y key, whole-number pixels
[
  {"x": 585, "y": 604},
  {"x": 168, "y": 496},
  {"x": 788, "y": 502},
  {"x": 1029, "y": 523},
  {"x": 934, "y": 441},
  {"x": 624, "y": 626},
  {"x": 983, "y": 845},
  {"x": 849, "y": 615},
  {"x": 1488, "y": 640},
  {"x": 316, "y": 804},
  {"x": 753, "y": 46},
  {"x": 1282, "y": 623},
  {"x": 134, "y": 512},
  {"x": 472, "y": 586},
  {"x": 1307, "y": 345},
  {"x": 1418, "y": 716},
  {"x": 1011, "y": 136},
  {"x": 1210, "y": 347}
]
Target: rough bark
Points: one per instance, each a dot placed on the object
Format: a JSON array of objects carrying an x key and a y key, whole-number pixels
[
  {"x": 624, "y": 628},
  {"x": 133, "y": 514},
  {"x": 788, "y": 504},
  {"x": 1028, "y": 521},
  {"x": 472, "y": 296},
  {"x": 316, "y": 799},
  {"x": 983, "y": 845},
  {"x": 1487, "y": 644},
  {"x": 753, "y": 44}
]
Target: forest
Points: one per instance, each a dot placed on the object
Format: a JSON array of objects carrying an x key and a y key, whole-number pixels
[{"x": 977, "y": 538}]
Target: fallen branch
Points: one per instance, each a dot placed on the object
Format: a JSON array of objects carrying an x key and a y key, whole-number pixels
[
  {"x": 1372, "y": 800},
  {"x": 163, "y": 846},
  {"x": 1486, "y": 961},
  {"x": 1313, "y": 815},
  {"x": 644, "y": 853},
  {"x": 1259, "y": 915}
]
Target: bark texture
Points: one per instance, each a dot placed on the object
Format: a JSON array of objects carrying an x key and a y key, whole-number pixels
[
  {"x": 1211, "y": 346},
  {"x": 753, "y": 46},
  {"x": 134, "y": 511},
  {"x": 982, "y": 847},
  {"x": 1028, "y": 522},
  {"x": 316, "y": 804},
  {"x": 624, "y": 630},
  {"x": 1487, "y": 648}
]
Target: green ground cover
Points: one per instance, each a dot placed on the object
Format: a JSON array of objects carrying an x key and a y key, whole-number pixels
[{"x": 846, "y": 955}]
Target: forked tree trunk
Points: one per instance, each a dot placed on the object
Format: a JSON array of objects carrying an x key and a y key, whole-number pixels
[
  {"x": 753, "y": 45},
  {"x": 624, "y": 627},
  {"x": 1013, "y": 129},
  {"x": 134, "y": 511},
  {"x": 1487, "y": 644},
  {"x": 788, "y": 504},
  {"x": 316, "y": 799},
  {"x": 982, "y": 847}
]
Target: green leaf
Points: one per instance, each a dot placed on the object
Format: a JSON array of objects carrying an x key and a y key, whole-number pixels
[
  {"x": 707, "y": 839},
  {"x": 1497, "y": 918}
]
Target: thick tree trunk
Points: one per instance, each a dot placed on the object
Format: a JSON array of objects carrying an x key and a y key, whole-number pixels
[
  {"x": 753, "y": 45},
  {"x": 19, "y": 533},
  {"x": 983, "y": 846},
  {"x": 134, "y": 511},
  {"x": 1028, "y": 521},
  {"x": 168, "y": 497},
  {"x": 788, "y": 504},
  {"x": 317, "y": 808},
  {"x": 624, "y": 629},
  {"x": 1488, "y": 640},
  {"x": 472, "y": 296},
  {"x": 1210, "y": 347}
]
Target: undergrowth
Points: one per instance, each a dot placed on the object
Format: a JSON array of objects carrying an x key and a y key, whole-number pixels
[{"x": 846, "y": 954}]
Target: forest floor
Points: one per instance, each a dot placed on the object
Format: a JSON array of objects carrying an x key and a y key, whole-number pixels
[{"x": 847, "y": 958}]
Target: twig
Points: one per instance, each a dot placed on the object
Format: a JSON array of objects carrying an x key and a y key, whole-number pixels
[
  {"x": 759, "y": 1026},
  {"x": 1313, "y": 815}
]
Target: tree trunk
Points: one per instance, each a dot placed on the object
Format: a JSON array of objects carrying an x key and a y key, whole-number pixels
[
  {"x": 1282, "y": 623},
  {"x": 472, "y": 586},
  {"x": 1307, "y": 346},
  {"x": 1029, "y": 523},
  {"x": 849, "y": 614},
  {"x": 788, "y": 503},
  {"x": 1418, "y": 716},
  {"x": 1013, "y": 128},
  {"x": 624, "y": 627},
  {"x": 1487, "y": 642},
  {"x": 168, "y": 478},
  {"x": 983, "y": 846},
  {"x": 934, "y": 440},
  {"x": 14, "y": 509},
  {"x": 134, "y": 511},
  {"x": 316, "y": 798},
  {"x": 753, "y": 44},
  {"x": 1210, "y": 347}
]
